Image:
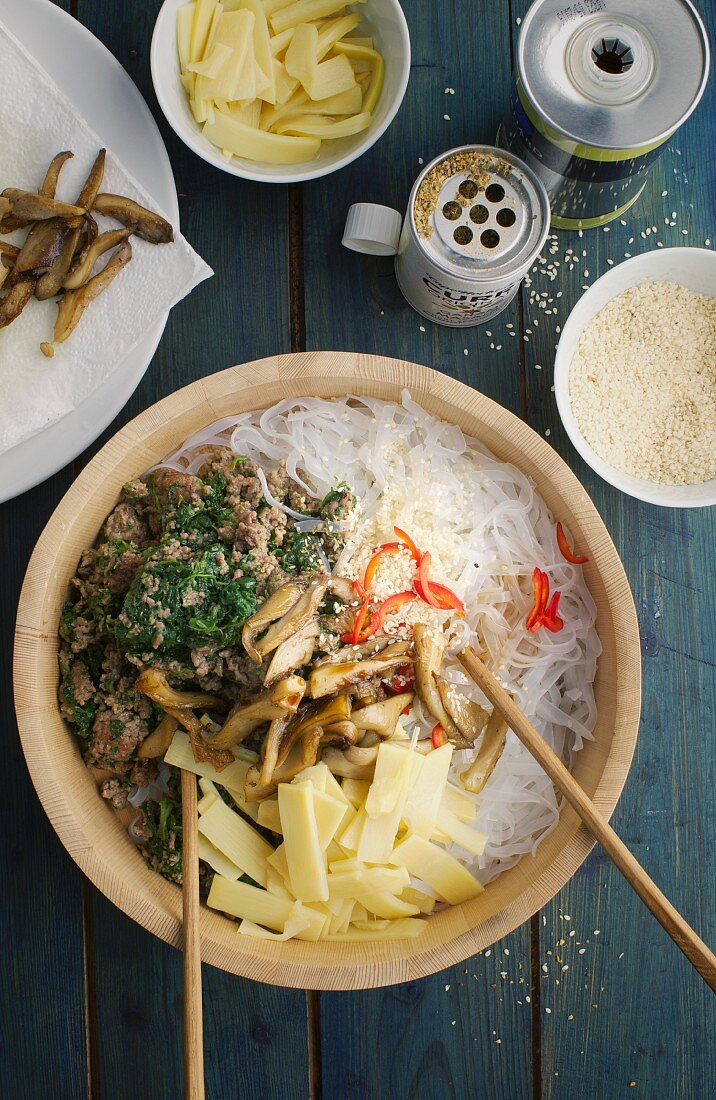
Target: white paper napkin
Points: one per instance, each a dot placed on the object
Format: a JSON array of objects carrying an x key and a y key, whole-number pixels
[{"x": 36, "y": 122}]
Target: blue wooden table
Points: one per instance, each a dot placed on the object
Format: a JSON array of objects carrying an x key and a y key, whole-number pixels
[{"x": 590, "y": 998}]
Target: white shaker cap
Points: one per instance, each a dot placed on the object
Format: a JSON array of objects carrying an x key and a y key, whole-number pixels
[{"x": 372, "y": 229}]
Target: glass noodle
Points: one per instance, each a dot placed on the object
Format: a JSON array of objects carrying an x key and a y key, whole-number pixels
[{"x": 487, "y": 529}]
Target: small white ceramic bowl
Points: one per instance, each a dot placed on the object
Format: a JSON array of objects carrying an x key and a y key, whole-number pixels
[
  {"x": 383, "y": 19},
  {"x": 694, "y": 268}
]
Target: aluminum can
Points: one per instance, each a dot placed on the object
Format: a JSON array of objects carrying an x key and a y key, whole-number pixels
[
  {"x": 477, "y": 218},
  {"x": 599, "y": 88}
]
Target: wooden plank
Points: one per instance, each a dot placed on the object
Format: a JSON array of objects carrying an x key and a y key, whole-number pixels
[
  {"x": 630, "y": 1009},
  {"x": 251, "y": 1035},
  {"x": 446, "y": 1035},
  {"x": 42, "y": 1036},
  {"x": 42, "y": 984}
]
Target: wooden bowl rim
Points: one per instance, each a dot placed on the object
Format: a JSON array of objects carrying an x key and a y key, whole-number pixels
[{"x": 87, "y": 826}]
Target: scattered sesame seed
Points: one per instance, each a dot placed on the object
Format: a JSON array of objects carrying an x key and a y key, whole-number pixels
[
  {"x": 420, "y": 160},
  {"x": 545, "y": 968},
  {"x": 528, "y": 1000},
  {"x": 582, "y": 951},
  {"x": 548, "y": 1011},
  {"x": 547, "y": 431},
  {"x": 422, "y": 328},
  {"x": 685, "y": 232},
  {"x": 506, "y": 951},
  {"x": 664, "y": 194},
  {"x": 465, "y": 351},
  {"x": 488, "y": 953},
  {"x": 538, "y": 366}
]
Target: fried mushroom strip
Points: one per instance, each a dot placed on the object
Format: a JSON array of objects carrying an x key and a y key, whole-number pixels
[
  {"x": 12, "y": 305},
  {"x": 491, "y": 748},
  {"x": 144, "y": 223},
  {"x": 36, "y": 208},
  {"x": 10, "y": 221},
  {"x": 75, "y": 302}
]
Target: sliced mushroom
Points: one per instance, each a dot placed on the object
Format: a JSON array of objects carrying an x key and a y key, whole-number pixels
[
  {"x": 17, "y": 297},
  {"x": 270, "y": 748},
  {"x": 303, "y": 611},
  {"x": 326, "y": 713},
  {"x": 153, "y": 684},
  {"x": 51, "y": 282},
  {"x": 92, "y": 184},
  {"x": 344, "y": 734},
  {"x": 273, "y": 608},
  {"x": 245, "y": 717},
  {"x": 379, "y": 643},
  {"x": 468, "y": 716},
  {"x": 35, "y": 208},
  {"x": 343, "y": 589},
  {"x": 292, "y": 654},
  {"x": 382, "y": 717},
  {"x": 429, "y": 646},
  {"x": 10, "y": 221},
  {"x": 145, "y": 223},
  {"x": 330, "y": 679},
  {"x": 44, "y": 244},
  {"x": 257, "y": 792},
  {"x": 52, "y": 175},
  {"x": 83, "y": 268},
  {"x": 338, "y": 763},
  {"x": 75, "y": 302},
  {"x": 362, "y": 754},
  {"x": 491, "y": 748},
  {"x": 202, "y": 749},
  {"x": 159, "y": 740}
]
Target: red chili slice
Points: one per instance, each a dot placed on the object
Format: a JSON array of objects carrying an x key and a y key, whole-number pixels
[
  {"x": 423, "y": 582},
  {"x": 438, "y": 736},
  {"x": 448, "y": 599},
  {"x": 407, "y": 541},
  {"x": 533, "y": 619},
  {"x": 370, "y": 569},
  {"x": 543, "y": 613},
  {"x": 566, "y": 550},
  {"x": 354, "y": 637},
  {"x": 386, "y": 608}
]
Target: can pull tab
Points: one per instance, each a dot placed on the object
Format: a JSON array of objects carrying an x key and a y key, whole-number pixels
[{"x": 372, "y": 229}]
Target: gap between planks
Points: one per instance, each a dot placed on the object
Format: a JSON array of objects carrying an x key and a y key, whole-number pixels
[
  {"x": 297, "y": 333},
  {"x": 535, "y": 1001},
  {"x": 90, "y": 991}
]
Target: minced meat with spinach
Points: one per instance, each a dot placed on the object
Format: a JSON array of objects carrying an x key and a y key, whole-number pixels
[{"x": 180, "y": 564}]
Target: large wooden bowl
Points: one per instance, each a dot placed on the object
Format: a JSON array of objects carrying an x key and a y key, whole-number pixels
[{"x": 89, "y": 828}]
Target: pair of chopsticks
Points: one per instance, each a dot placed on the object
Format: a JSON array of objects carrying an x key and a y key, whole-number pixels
[{"x": 683, "y": 935}]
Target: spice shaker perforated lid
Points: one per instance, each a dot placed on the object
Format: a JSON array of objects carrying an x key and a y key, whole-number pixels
[{"x": 480, "y": 213}]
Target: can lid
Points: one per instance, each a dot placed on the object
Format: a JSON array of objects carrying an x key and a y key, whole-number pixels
[
  {"x": 372, "y": 229},
  {"x": 480, "y": 214},
  {"x": 611, "y": 75}
]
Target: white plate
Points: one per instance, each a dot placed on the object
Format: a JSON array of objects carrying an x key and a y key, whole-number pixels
[{"x": 77, "y": 61}]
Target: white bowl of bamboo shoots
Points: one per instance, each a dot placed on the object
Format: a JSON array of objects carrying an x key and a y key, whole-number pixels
[{"x": 280, "y": 91}]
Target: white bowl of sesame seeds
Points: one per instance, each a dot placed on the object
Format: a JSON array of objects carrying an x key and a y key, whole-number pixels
[{"x": 635, "y": 377}]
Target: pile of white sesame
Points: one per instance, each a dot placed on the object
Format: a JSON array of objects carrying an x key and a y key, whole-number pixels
[{"x": 643, "y": 383}]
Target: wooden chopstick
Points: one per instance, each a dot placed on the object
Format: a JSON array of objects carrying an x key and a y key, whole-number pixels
[
  {"x": 193, "y": 1015},
  {"x": 683, "y": 935}
]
